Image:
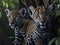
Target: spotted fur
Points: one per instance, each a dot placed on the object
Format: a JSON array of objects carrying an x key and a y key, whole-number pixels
[
  {"x": 27, "y": 31},
  {"x": 43, "y": 19}
]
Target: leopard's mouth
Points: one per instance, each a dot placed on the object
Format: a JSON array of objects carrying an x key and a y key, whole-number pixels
[{"x": 11, "y": 25}]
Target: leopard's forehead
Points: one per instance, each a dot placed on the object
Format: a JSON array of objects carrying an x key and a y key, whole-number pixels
[{"x": 15, "y": 12}]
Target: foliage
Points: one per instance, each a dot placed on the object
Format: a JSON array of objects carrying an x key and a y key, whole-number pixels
[
  {"x": 0, "y": 14},
  {"x": 58, "y": 41}
]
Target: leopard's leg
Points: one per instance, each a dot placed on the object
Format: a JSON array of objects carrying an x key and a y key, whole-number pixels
[
  {"x": 20, "y": 34},
  {"x": 18, "y": 37}
]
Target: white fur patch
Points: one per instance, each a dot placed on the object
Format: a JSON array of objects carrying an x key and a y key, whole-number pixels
[{"x": 12, "y": 26}]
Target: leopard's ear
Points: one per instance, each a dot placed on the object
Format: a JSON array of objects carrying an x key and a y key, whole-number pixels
[
  {"x": 22, "y": 11},
  {"x": 7, "y": 11},
  {"x": 31, "y": 10}
]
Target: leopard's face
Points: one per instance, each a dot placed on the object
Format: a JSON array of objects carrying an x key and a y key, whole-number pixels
[
  {"x": 13, "y": 16},
  {"x": 37, "y": 14},
  {"x": 10, "y": 17}
]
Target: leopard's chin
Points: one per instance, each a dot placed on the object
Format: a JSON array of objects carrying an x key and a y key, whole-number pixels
[{"x": 12, "y": 26}]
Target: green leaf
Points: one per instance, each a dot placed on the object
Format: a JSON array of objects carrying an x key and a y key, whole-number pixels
[
  {"x": 58, "y": 12},
  {"x": 0, "y": 14},
  {"x": 51, "y": 41},
  {"x": 59, "y": 1},
  {"x": 16, "y": 1},
  {"x": 3, "y": 2},
  {"x": 10, "y": 0},
  {"x": 12, "y": 4},
  {"x": 58, "y": 41},
  {"x": 6, "y": 5},
  {"x": 59, "y": 31}
]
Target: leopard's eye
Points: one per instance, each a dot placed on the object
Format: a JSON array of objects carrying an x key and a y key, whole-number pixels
[
  {"x": 36, "y": 14},
  {"x": 9, "y": 15}
]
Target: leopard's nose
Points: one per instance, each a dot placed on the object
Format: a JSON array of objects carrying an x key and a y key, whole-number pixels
[
  {"x": 11, "y": 23},
  {"x": 43, "y": 21}
]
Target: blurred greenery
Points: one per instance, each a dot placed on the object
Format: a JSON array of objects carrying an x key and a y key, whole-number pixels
[
  {"x": 58, "y": 41},
  {"x": 12, "y": 4},
  {"x": 0, "y": 14},
  {"x": 16, "y": 1},
  {"x": 58, "y": 12},
  {"x": 51, "y": 41}
]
